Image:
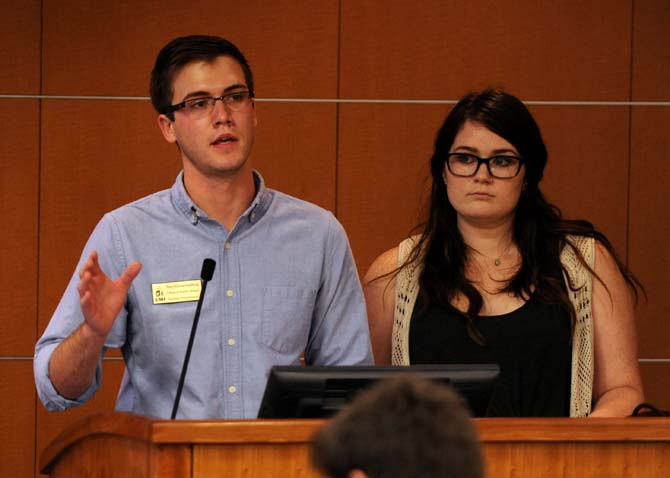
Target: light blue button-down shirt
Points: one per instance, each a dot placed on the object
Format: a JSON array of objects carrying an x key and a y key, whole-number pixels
[{"x": 285, "y": 282}]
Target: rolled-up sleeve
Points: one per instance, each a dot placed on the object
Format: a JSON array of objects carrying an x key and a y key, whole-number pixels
[
  {"x": 52, "y": 400},
  {"x": 68, "y": 317}
]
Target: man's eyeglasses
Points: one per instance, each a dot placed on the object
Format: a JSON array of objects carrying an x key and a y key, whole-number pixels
[
  {"x": 204, "y": 105},
  {"x": 466, "y": 165}
]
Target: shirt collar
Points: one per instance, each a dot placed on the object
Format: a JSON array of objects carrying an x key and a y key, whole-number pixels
[{"x": 194, "y": 214}]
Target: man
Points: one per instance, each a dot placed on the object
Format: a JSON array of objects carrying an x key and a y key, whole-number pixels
[
  {"x": 401, "y": 428},
  {"x": 285, "y": 280}
]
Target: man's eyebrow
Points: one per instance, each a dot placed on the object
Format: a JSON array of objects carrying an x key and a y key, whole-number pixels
[
  {"x": 201, "y": 93},
  {"x": 196, "y": 94},
  {"x": 238, "y": 86}
]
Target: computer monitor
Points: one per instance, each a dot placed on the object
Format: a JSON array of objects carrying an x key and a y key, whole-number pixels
[{"x": 315, "y": 392}]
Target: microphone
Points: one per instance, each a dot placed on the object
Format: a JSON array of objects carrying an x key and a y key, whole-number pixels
[{"x": 206, "y": 274}]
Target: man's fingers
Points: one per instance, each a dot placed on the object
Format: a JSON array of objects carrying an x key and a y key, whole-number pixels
[
  {"x": 91, "y": 272},
  {"x": 129, "y": 274},
  {"x": 85, "y": 299},
  {"x": 91, "y": 264}
]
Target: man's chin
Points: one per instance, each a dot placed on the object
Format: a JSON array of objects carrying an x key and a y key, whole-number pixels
[{"x": 226, "y": 168}]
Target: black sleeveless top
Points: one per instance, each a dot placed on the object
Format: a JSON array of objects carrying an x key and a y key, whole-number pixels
[{"x": 532, "y": 345}]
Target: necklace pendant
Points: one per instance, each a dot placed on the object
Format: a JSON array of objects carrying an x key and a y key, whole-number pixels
[{"x": 497, "y": 262}]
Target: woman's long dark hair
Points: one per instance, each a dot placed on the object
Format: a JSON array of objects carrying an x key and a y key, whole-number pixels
[{"x": 539, "y": 230}]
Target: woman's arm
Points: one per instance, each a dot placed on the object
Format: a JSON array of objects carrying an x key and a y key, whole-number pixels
[
  {"x": 617, "y": 386},
  {"x": 380, "y": 301}
]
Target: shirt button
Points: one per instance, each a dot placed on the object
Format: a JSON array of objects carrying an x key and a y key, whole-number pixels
[
  {"x": 229, "y": 293},
  {"x": 227, "y": 245},
  {"x": 232, "y": 389},
  {"x": 231, "y": 342}
]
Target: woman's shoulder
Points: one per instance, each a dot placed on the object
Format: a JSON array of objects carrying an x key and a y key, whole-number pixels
[
  {"x": 392, "y": 259},
  {"x": 591, "y": 248},
  {"x": 578, "y": 240},
  {"x": 579, "y": 246},
  {"x": 383, "y": 265},
  {"x": 598, "y": 255}
]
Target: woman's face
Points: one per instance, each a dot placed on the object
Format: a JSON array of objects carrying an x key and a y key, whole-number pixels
[{"x": 482, "y": 199}]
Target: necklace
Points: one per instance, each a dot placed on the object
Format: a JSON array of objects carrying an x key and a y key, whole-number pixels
[{"x": 497, "y": 261}]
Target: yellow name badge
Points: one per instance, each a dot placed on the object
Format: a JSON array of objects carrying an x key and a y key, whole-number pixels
[{"x": 180, "y": 291}]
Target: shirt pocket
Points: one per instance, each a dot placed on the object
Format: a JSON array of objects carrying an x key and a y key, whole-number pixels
[{"x": 287, "y": 316}]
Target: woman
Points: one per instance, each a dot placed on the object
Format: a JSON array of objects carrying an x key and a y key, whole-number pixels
[{"x": 499, "y": 276}]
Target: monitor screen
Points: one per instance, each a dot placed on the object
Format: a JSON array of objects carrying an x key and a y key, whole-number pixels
[{"x": 315, "y": 392}]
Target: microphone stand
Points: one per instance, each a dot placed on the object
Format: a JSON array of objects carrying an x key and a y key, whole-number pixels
[{"x": 206, "y": 274}]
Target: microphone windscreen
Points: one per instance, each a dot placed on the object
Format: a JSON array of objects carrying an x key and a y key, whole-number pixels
[{"x": 207, "y": 271}]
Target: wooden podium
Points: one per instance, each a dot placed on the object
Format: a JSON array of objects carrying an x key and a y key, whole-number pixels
[{"x": 123, "y": 445}]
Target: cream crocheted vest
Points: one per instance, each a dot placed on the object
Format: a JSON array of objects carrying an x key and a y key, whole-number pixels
[{"x": 579, "y": 285}]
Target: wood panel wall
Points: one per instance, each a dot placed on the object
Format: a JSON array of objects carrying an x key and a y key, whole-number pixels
[{"x": 66, "y": 162}]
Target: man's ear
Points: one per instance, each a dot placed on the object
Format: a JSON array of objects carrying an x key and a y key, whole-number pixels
[
  {"x": 357, "y": 474},
  {"x": 167, "y": 128}
]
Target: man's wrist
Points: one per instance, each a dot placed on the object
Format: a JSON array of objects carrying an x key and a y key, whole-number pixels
[{"x": 90, "y": 335}]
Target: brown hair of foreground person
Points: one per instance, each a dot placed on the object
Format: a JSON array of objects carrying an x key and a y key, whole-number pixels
[{"x": 402, "y": 427}]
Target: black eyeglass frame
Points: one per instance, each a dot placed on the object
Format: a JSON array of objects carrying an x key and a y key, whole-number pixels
[
  {"x": 487, "y": 162},
  {"x": 222, "y": 98}
]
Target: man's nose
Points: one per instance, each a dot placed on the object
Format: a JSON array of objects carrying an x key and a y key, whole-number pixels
[{"x": 220, "y": 112}]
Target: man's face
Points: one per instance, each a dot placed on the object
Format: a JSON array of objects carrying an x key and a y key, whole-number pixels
[{"x": 218, "y": 143}]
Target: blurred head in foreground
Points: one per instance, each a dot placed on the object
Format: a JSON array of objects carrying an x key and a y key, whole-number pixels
[{"x": 403, "y": 427}]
